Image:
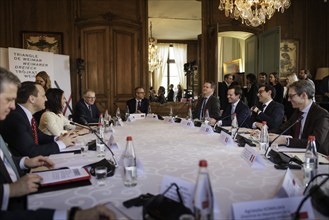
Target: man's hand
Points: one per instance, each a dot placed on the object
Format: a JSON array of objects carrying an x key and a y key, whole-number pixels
[
  {"x": 95, "y": 213},
  {"x": 212, "y": 121},
  {"x": 25, "y": 185},
  {"x": 282, "y": 140},
  {"x": 68, "y": 138},
  {"x": 38, "y": 161}
]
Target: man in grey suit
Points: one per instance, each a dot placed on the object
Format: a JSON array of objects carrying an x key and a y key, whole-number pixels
[
  {"x": 207, "y": 102},
  {"x": 315, "y": 120}
]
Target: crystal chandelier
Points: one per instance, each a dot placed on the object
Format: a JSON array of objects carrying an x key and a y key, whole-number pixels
[
  {"x": 154, "y": 59},
  {"x": 252, "y": 12}
]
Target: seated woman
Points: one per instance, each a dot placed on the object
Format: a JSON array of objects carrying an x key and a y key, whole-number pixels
[{"x": 52, "y": 121}]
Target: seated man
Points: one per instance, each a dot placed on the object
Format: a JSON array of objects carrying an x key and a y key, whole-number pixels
[
  {"x": 267, "y": 110},
  {"x": 315, "y": 120},
  {"x": 235, "y": 106},
  {"x": 139, "y": 104},
  {"x": 19, "y": 129},
  {"x": 86, "y": 109},
  {"x": 207, "y": 102},
  {"x": 13, "y": 185}
]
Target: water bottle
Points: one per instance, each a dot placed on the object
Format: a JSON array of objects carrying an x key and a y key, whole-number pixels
[
  {"x": 203, "y": 195},
  {"x": 234, "y": 126},
  {"x": 127, "y": 113},
  {"x": 100, "y": 147},
  {"x": 206, "y": 117},
  {"x": 149, "y": 110},
  {"x": 263, "y": 139},
  {"x": 106, "y": 118},
  {"x": 117, "y": 113},
  {"x": 311, "y": 160},
  {"x": 129, "y": 164},
  {"x": 189, "y": 115},
  {"x": 171, "y": 112}
]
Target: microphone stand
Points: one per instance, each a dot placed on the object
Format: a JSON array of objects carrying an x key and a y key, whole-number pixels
[
  {"x": 269, "y": 147},
  {"x": 237, "y": 130},
  {"x": 101, "y": 140}
]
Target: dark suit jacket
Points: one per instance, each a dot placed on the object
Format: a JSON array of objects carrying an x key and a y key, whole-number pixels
[
  {"x": 317, "y": 124},
  {"x": 324, "y": 85},
  {"x": 40, "y": 214},
  {"x": 82, "y": 113},
  {"x": 222, "y": 93},
  {"x": 279, "y": 93},
  {"x": 212, "y": 105},
  {"x": 242, "y": 113},
  {"x": 17, "y": 132},
  {"x": 251, "y": 95},
  {"x": 19, "y": 203},
  {"x": 273, "y": 115},
  {"x": 131, "y": 103}
]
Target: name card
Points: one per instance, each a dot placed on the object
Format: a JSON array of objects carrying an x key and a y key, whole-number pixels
[
  {"x": 187, "y": 123},
  {"x": 282, "y": 208},
  {"x": 207, "y": 129},
  {"x": 136, "y": 116},
  {"x": 152, "y": 116},
  {"x": 252, "y": 157},
  {"x": 291, "y": 186},
  {"x": 226, "y": 139},
  {"x": 169, "y": 120}
]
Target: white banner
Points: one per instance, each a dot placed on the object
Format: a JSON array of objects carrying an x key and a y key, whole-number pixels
[{"x": 27, "y": 63}]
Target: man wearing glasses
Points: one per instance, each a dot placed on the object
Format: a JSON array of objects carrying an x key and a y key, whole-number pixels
[
  {"x": 86, "y": 110},
  {"x": 308, "y": 119},
  {"x": 139, "y": 104},
  {"x": 267, "y": 110}
]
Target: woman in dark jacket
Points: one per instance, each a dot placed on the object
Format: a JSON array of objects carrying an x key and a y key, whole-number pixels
[{"x": 275, "y": 82}]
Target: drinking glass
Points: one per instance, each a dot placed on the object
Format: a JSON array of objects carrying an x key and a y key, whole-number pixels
[{"x": 101, "y": 175}]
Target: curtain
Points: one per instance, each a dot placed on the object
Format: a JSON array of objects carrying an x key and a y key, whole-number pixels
[
  {"x": 180, "y": 54},
  {"x": 220, "y": 59},
  {"x": 158, "y": 73}
]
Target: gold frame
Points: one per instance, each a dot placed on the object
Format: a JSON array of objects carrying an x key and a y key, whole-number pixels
[
  {"x": 232, "y": 66},
  {"x": 43, "y": 41}
]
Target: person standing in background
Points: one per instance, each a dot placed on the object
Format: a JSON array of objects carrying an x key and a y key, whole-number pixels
[
  {"x": 43, "y": 79},
  {"x": 251, "y": 90},
  {"x": 170, "y": 97},
  {"x": 222, "y": 91},
  {"x": 275, "y": 82},
  {"x": 179, "y": 95},
  {"x": 262, "y": 78}
]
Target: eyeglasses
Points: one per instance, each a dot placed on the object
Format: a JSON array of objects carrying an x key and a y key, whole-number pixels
[
  {"x": 89, "y": 97},
  {"x": 290, "y": 96}
]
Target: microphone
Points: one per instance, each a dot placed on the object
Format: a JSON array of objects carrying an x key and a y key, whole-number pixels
[
  {"x": 269, "y": 147},
  {"x": 237, "y": 130},
  {"x": 79, "y": 125},
  {"x": 101, "y": 140}
]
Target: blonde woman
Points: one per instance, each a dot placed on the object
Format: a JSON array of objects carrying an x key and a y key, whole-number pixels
[
  {"x": 288, "y": 110},
  {"x": 43, "y": 79}
]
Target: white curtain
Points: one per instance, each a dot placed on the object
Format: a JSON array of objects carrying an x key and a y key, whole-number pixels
[
  {"x": 158, "y": 73},
  {"x": 180, "y": 54}
]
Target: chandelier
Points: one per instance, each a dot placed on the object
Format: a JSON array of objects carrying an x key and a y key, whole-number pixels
[
  {"x": 252, "y": 12},
  {"x": 154, "y": 59}
]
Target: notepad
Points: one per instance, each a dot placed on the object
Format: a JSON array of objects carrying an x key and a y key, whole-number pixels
[{"x": 61, "y": 176}]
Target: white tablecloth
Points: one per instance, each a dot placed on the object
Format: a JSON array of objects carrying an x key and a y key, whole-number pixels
[{"x": 170, "y": 149}]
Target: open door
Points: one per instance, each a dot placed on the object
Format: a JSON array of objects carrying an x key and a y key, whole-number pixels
[{"x": 269, "y": 51}]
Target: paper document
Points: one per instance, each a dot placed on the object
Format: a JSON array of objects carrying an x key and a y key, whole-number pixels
[{"x": 52, "y": 177}]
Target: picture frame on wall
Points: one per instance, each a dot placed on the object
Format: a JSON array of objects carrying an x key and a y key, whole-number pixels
[
  {"x": 43, "y": 41},
  {"x": 232, "y": 67},
  {"x": 289, "y": 57}
]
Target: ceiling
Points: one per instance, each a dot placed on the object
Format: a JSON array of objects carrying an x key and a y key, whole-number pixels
[
  {"x": 180, "y": 20},
  {"x": 175, "y": 19}
]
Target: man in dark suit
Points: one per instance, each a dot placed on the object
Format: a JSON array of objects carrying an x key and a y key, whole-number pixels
[
  {"x": 222, "y": 91},
  {"x": 86, "y": 109},
  {"x": 267, "y": 110},
  {"x": 139, "y": 104},
  {"x": 207, "y": 102},
  {"x": 19, "y": 129},
  {"x": 251, "y": 91},
  {"x": 235, "y": 106},
  {"x": 14, "y": 185},
  {"x": 315, "y": 120}
]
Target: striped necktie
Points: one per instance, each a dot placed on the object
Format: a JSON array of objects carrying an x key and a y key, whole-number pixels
[
  {"x": 34, "y": 131},
  {"x": 8, "y": 156}
]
